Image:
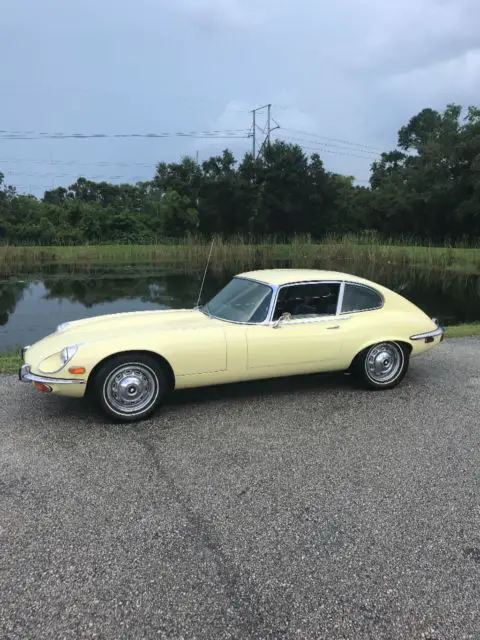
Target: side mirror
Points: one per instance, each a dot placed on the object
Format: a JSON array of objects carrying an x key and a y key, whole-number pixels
[{"x": 285, "y": 317}]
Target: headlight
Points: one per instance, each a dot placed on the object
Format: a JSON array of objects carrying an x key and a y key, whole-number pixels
[
  {"x": 62, "y": 326},
  {"x": 68, "y": 353},
  {"x": 56, "y": 362}
]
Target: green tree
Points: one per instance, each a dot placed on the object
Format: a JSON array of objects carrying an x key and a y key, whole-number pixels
[
  {"x": 178, "y": 217},
  {"x": 428, "y": 187}
]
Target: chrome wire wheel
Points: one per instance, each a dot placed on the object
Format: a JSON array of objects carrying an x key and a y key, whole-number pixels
[
  {"x": 131, "y": 388},
  {"x": 384, "y": 363}
]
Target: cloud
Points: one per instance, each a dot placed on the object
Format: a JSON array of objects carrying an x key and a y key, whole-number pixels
[
  {"x": 356, "y": 70},
  {"x": 214, "y": 15},
  {"x": 410, "y": 35},
  {"x": 440, "y": 81}
]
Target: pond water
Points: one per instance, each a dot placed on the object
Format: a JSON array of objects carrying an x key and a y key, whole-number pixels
[{"x": 31, "y": 306}]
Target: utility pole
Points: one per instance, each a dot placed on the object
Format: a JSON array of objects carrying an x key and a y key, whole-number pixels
[
  {"x": 255, "y": 127},
  {"x": 267, "y": 129},
  {"x": 269, "y": 118}
]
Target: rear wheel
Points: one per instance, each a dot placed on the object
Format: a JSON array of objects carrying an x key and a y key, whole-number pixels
[
  {"x": 130, "y": 387},
  {"x": 382, "y": 366}
]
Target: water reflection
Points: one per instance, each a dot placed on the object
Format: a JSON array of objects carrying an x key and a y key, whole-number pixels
[
  {"x": 31, "y": 308},
  {"x": 10, "y": 294},
  {"x": 167, "y": 290}
]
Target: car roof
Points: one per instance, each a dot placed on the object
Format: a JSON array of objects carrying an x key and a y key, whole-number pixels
[{"x": 290, "y": 276}]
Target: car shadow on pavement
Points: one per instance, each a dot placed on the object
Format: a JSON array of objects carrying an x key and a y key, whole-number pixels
[
  {"x": 260, "y": 388},
  {"x": 85, "y": 412}
]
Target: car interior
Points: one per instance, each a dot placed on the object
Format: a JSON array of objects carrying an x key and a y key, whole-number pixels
[{"x": 307, "y": 300}]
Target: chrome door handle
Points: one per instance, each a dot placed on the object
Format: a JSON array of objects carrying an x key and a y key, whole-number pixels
[{"x": 337, "y": 326}]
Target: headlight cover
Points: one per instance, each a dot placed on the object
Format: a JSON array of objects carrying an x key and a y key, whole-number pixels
[
  {"x": 68, "y": 352},
  {"x": 57, "y": 361}
]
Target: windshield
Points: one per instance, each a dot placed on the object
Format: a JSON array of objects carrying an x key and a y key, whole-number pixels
[{"x": 241, "y": 301}]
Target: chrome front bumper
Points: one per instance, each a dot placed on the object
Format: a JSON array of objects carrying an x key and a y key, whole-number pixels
[
  {"x": 24, "y": 375},
  {"x": 430, "y": 335}
]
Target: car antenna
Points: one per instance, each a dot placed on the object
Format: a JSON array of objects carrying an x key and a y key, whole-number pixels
[{"x": 205, "y": 273}]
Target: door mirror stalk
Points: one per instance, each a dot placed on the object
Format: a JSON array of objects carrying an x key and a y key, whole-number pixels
[{"x": 285, "y": 317}]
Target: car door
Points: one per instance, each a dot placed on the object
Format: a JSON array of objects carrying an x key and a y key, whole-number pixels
[{"x": 310, "y": 340}]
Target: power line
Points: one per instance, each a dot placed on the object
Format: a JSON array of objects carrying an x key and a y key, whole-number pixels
[
  {"x": 47, "y": 187},
  {"x": 338, "y": 153},
  {"x": 42, "y": 135},
  {"x": 228, "y": 134},
  {"x": 103, "y": 163},
  {"x": 347, "y": 142},
  {"x": 69, "y": 175},
  {"x": 102, "y": 177},
  {"x": 322, "y": 145}
]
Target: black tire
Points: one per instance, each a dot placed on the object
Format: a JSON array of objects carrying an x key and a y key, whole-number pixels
[
  {"x": 129, "y": 387},
  {"x": 382, "y": 365}
]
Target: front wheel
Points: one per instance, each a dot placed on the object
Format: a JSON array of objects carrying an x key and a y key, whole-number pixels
[
  {"x": 129, "y": 387},
  {"x": 382, "y": 366}
]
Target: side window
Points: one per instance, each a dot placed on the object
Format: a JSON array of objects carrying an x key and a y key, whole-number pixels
[
  {"x": 359, "y": 298},
  {"x": 308, "y": 300}
]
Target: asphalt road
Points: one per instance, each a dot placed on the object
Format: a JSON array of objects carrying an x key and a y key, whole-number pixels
[{"x": 299, "y": 508}]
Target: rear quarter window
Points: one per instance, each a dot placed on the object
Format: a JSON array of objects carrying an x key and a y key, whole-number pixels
[{"x": 360, "y": 298}]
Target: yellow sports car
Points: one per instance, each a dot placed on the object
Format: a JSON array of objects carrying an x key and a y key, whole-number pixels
[{"x": 262, "y": 324}]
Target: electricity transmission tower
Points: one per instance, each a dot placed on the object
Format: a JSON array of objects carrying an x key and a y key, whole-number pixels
[{"x": 266, "y": 130}]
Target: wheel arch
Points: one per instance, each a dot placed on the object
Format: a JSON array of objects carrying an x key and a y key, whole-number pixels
[
  {"x": 406, "y": 346},
  {"x": 145, "y": 352}
]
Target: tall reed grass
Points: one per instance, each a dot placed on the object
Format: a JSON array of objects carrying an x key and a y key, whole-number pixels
[{"x": 241, "y": 252}]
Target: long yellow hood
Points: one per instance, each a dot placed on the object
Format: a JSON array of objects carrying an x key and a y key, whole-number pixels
[
  {"x": 124, "y": 328},
  {"x": 172, "y": 319}
]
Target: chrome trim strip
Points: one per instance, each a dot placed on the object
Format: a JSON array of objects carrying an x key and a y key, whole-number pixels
[
  {"x": 314, "y": 320},
  {"x": 439, "y": 331},
  {"x": 340, "y": 298},
  {"x": 26, "y": 376},
  {"x": 273, "y": 303}
]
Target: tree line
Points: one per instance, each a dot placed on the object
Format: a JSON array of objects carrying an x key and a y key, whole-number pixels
[{"x": 428, "y": 189}]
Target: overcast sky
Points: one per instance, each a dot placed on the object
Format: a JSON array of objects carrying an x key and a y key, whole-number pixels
[{"x": 352, "y": 70}]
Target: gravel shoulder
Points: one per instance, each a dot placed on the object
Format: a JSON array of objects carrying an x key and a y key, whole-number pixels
[{"x": 297, "y": 508}]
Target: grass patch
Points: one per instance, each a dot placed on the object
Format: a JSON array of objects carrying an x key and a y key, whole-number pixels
[
  {"x": 463, "y": 330},
  {"x": 241, "y": 253},
  {"x": 10, "y": 361}
]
